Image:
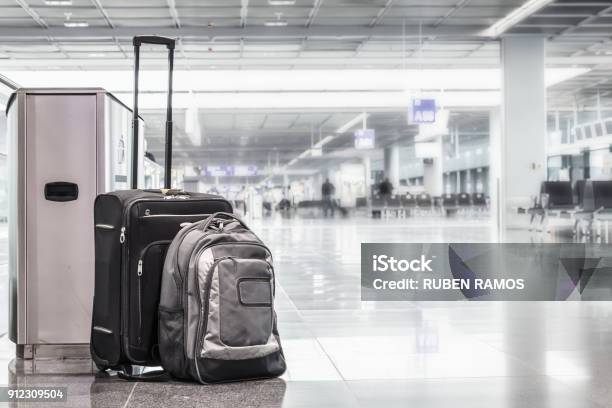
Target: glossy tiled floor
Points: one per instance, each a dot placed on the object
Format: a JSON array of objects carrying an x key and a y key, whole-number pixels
[{"x": 342, "y": 352}]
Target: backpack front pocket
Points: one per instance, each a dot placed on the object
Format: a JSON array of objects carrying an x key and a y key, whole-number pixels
[
  {"x": 237, "y": 314},
  {"x": 245, "y": 306}
]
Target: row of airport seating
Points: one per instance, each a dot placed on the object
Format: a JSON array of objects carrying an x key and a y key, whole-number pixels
[
  {"x": 589, "y": 194},
  {"x": 586, "y": 202},
  {"x": 315, "y": 208},
  {"x": 403, "y": 205}
]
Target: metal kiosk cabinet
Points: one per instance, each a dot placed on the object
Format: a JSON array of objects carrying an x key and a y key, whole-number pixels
[{"x": 64, "y": 147}]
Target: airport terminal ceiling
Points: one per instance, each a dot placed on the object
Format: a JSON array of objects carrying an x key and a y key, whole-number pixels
[
  {"x": 306, "y": 34},
  {"x": 377, "y": 36},
  {"x": 265, "y": 83}
]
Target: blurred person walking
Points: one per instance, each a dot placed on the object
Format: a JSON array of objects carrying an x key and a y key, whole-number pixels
[
  {"x": 327, "y": 192},
  {"x": 385, "y": 189}
]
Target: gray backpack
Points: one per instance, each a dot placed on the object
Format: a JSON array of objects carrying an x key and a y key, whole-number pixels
[{"x": 216, "y": 311}]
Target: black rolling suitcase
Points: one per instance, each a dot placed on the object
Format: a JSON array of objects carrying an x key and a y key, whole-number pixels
[{"x": 133, "y": 229}]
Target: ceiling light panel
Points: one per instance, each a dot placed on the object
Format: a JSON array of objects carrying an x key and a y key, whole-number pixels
[
  {"x": 515, "y": 17},
  {"x": 276, "y": 23},
  {"x": 58, "y": 2},
  {"x": 281, "y": 2},
  {"x": 75, "y": 24}
]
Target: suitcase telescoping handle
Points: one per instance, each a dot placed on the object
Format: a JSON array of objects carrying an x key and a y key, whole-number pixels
[{"x": 169, "y": 43}]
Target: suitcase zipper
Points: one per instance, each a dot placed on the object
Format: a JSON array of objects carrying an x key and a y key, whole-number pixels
[
  {"x": 139, "y": 273},
  {"x": 149, "y": 215},
  {"x": 122, "y": 236}
]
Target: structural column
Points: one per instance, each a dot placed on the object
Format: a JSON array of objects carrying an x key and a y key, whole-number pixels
[
  {"x": 495, "y": 153},
  {"x": 367, "y": 174},
  {"x": 523, "y": 136},
  {"x": 392, "y": 161},
  {"x": 433, "y": 176}
]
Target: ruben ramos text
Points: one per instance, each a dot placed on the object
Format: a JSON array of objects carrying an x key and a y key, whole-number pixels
[{"x": 448, "y": 284}]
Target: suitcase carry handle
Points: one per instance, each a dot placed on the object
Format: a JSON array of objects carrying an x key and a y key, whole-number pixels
[
  {"x": 229, "y": 216},
  {"x": 170, "y": 44}
]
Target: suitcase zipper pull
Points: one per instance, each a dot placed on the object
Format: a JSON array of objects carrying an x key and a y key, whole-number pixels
[
  {"x": 139, "y": 273},
  {"x": 122, "y": 236}
]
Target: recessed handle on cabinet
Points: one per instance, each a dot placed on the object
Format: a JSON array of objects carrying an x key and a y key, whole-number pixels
[{"x": 61, "y": 191}]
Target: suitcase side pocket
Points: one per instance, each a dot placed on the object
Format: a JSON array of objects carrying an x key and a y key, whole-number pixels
[{"x": 149, "y": 275}]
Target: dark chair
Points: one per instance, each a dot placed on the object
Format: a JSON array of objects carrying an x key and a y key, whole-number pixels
[
  {"x": 378, "y": 202},
  {"x": 585, "y": 214},
  {"x": 309, "y": 208},
  {"x": 556, "y": 198},
  {"x": 602, "y": 202},
  {"x": 559, "y": 195},
  {"x": 424, "y": 201},
  {"x": 463, "y": 200},
  {"x": 595, "y": 203},
  {"x": 449, "y": 200},
  {"x": 378, "y": 205},
  {"x": 408, "y": 203},
  {"x": 479, "y": 200},
  {"x": 602, "y": 195},
  {"x": 448, "y": 203},
  {"x": 393, "y": 205},
  {"x": 361, "y": 202},
  {"x": 393, "y": 202},
  {"x": 579, "y": 192}
]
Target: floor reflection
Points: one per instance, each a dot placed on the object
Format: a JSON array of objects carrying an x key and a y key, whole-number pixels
[{"x": 342, "y": 352}]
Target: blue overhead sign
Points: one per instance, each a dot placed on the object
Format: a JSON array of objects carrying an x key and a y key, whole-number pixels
[
  {"x": 423, "y": 111},
  {"x": 245, "y": 171},
  {"x": 218, "y": 171},
  {"x": 365, "y": 139}
]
